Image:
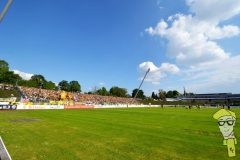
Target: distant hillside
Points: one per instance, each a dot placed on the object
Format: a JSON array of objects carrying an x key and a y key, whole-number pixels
[{"x": 7, "y": 93}]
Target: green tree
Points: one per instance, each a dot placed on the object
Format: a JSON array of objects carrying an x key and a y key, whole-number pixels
[
  {"x": 3, "y": 66},
  {"x": 64, "y": 85},
  {"x": 162, "y": 94},
  {"x": 154, "y": 96},
  {"x": 8, "y": 77},
  {"x": 23, "y": 82},
  {"x": 175, "y": 93},
  {"x": 98, "y": 92},
  {"x": 38, "y": 81},
  {"x": 50, "y": 85},
  {"x": 169, "y": 94},
  {"x": 75, "y": 86},
  {"x": 27, "y": 83},
  {"x": 118, "y": 92},
  {"x": 139, "y": 95},
  {"x": 189, "y": 93},
  {"x": 104, "y": 91}
]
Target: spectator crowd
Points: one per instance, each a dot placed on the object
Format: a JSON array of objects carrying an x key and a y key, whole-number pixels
[
  {"x": 6, "y": 87},
  {"x": 42, "y": 95}
]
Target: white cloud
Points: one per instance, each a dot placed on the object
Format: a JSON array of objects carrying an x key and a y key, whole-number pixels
[
  {"x": 101, "y": 83},
  {"x": 224, "y": 77},
  {"x": 160, "y": 29},
  {"x": 171, "y": 68},
  {"x": 191, "y": 38},
  {"x": 192, "y": 43},
  {"x": 224, "y": 32},
  {"x": 189, "y": 2},
  {"x": 222, "y": 73},
  {"x": 155, "y": 83},
  {"x": 170, "y": 18},
  {"x": 214, "y": 10},
  {"x": 24, "y": 75},
  {"x": 156, "y": 73}
]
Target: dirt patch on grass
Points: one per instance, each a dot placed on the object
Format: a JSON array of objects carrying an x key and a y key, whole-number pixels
[{"x": 26, "y": 120}]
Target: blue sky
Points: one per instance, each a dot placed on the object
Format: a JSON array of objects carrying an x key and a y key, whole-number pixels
[{"x": 192, "y": 43}]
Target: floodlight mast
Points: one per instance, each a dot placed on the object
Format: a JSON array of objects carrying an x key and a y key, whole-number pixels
[
  {"x": 5, "y": 10},
  {"x": 142, "y": 82}
]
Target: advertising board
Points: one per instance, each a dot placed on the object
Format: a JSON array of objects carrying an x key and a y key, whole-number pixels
[
  {"x": 21, "y": 106},
  {"x": 120, "y": 106},
  {"x": 78, "y": 107},
  {"x": 4, "y": 103}
]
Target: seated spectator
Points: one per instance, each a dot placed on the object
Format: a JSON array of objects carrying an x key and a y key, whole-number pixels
[{"x": 43, "y": 95}]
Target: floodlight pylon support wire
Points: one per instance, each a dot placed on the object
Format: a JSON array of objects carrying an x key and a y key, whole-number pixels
[
  {"x": 5, "y": 9},
  {"x": 142, "y": 82}
]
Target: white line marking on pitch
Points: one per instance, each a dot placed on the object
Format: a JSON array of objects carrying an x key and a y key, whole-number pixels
[{"x": 175, "y": 116}]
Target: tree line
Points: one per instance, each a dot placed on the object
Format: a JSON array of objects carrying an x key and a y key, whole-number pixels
[
  {"x": 162, "y": 95},
  {"x": 39, "y": 81},
  {"x": 36, "y": 81}
]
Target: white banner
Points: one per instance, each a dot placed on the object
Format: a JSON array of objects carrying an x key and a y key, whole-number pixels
[
  {"x": 40, "y": 106},
  {"x": 121, "y": 106},
  {"x": 57, "y": 107},
  {"x": 4, "y": 103}
]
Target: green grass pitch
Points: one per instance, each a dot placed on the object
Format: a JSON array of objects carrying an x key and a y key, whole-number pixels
[{"x": 119, "y": 133}]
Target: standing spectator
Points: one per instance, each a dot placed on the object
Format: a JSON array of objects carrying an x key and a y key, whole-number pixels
[{"x": 228, "y": 106}]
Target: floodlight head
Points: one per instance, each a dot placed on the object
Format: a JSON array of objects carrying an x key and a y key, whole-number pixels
[{"x": 5, "y": 9}]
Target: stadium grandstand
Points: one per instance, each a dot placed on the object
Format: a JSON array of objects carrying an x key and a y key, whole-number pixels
[
  {"x": 212, "y": 97},
  {"x": 7, "y": 90},
  {"x": 31, "y": 95}
]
